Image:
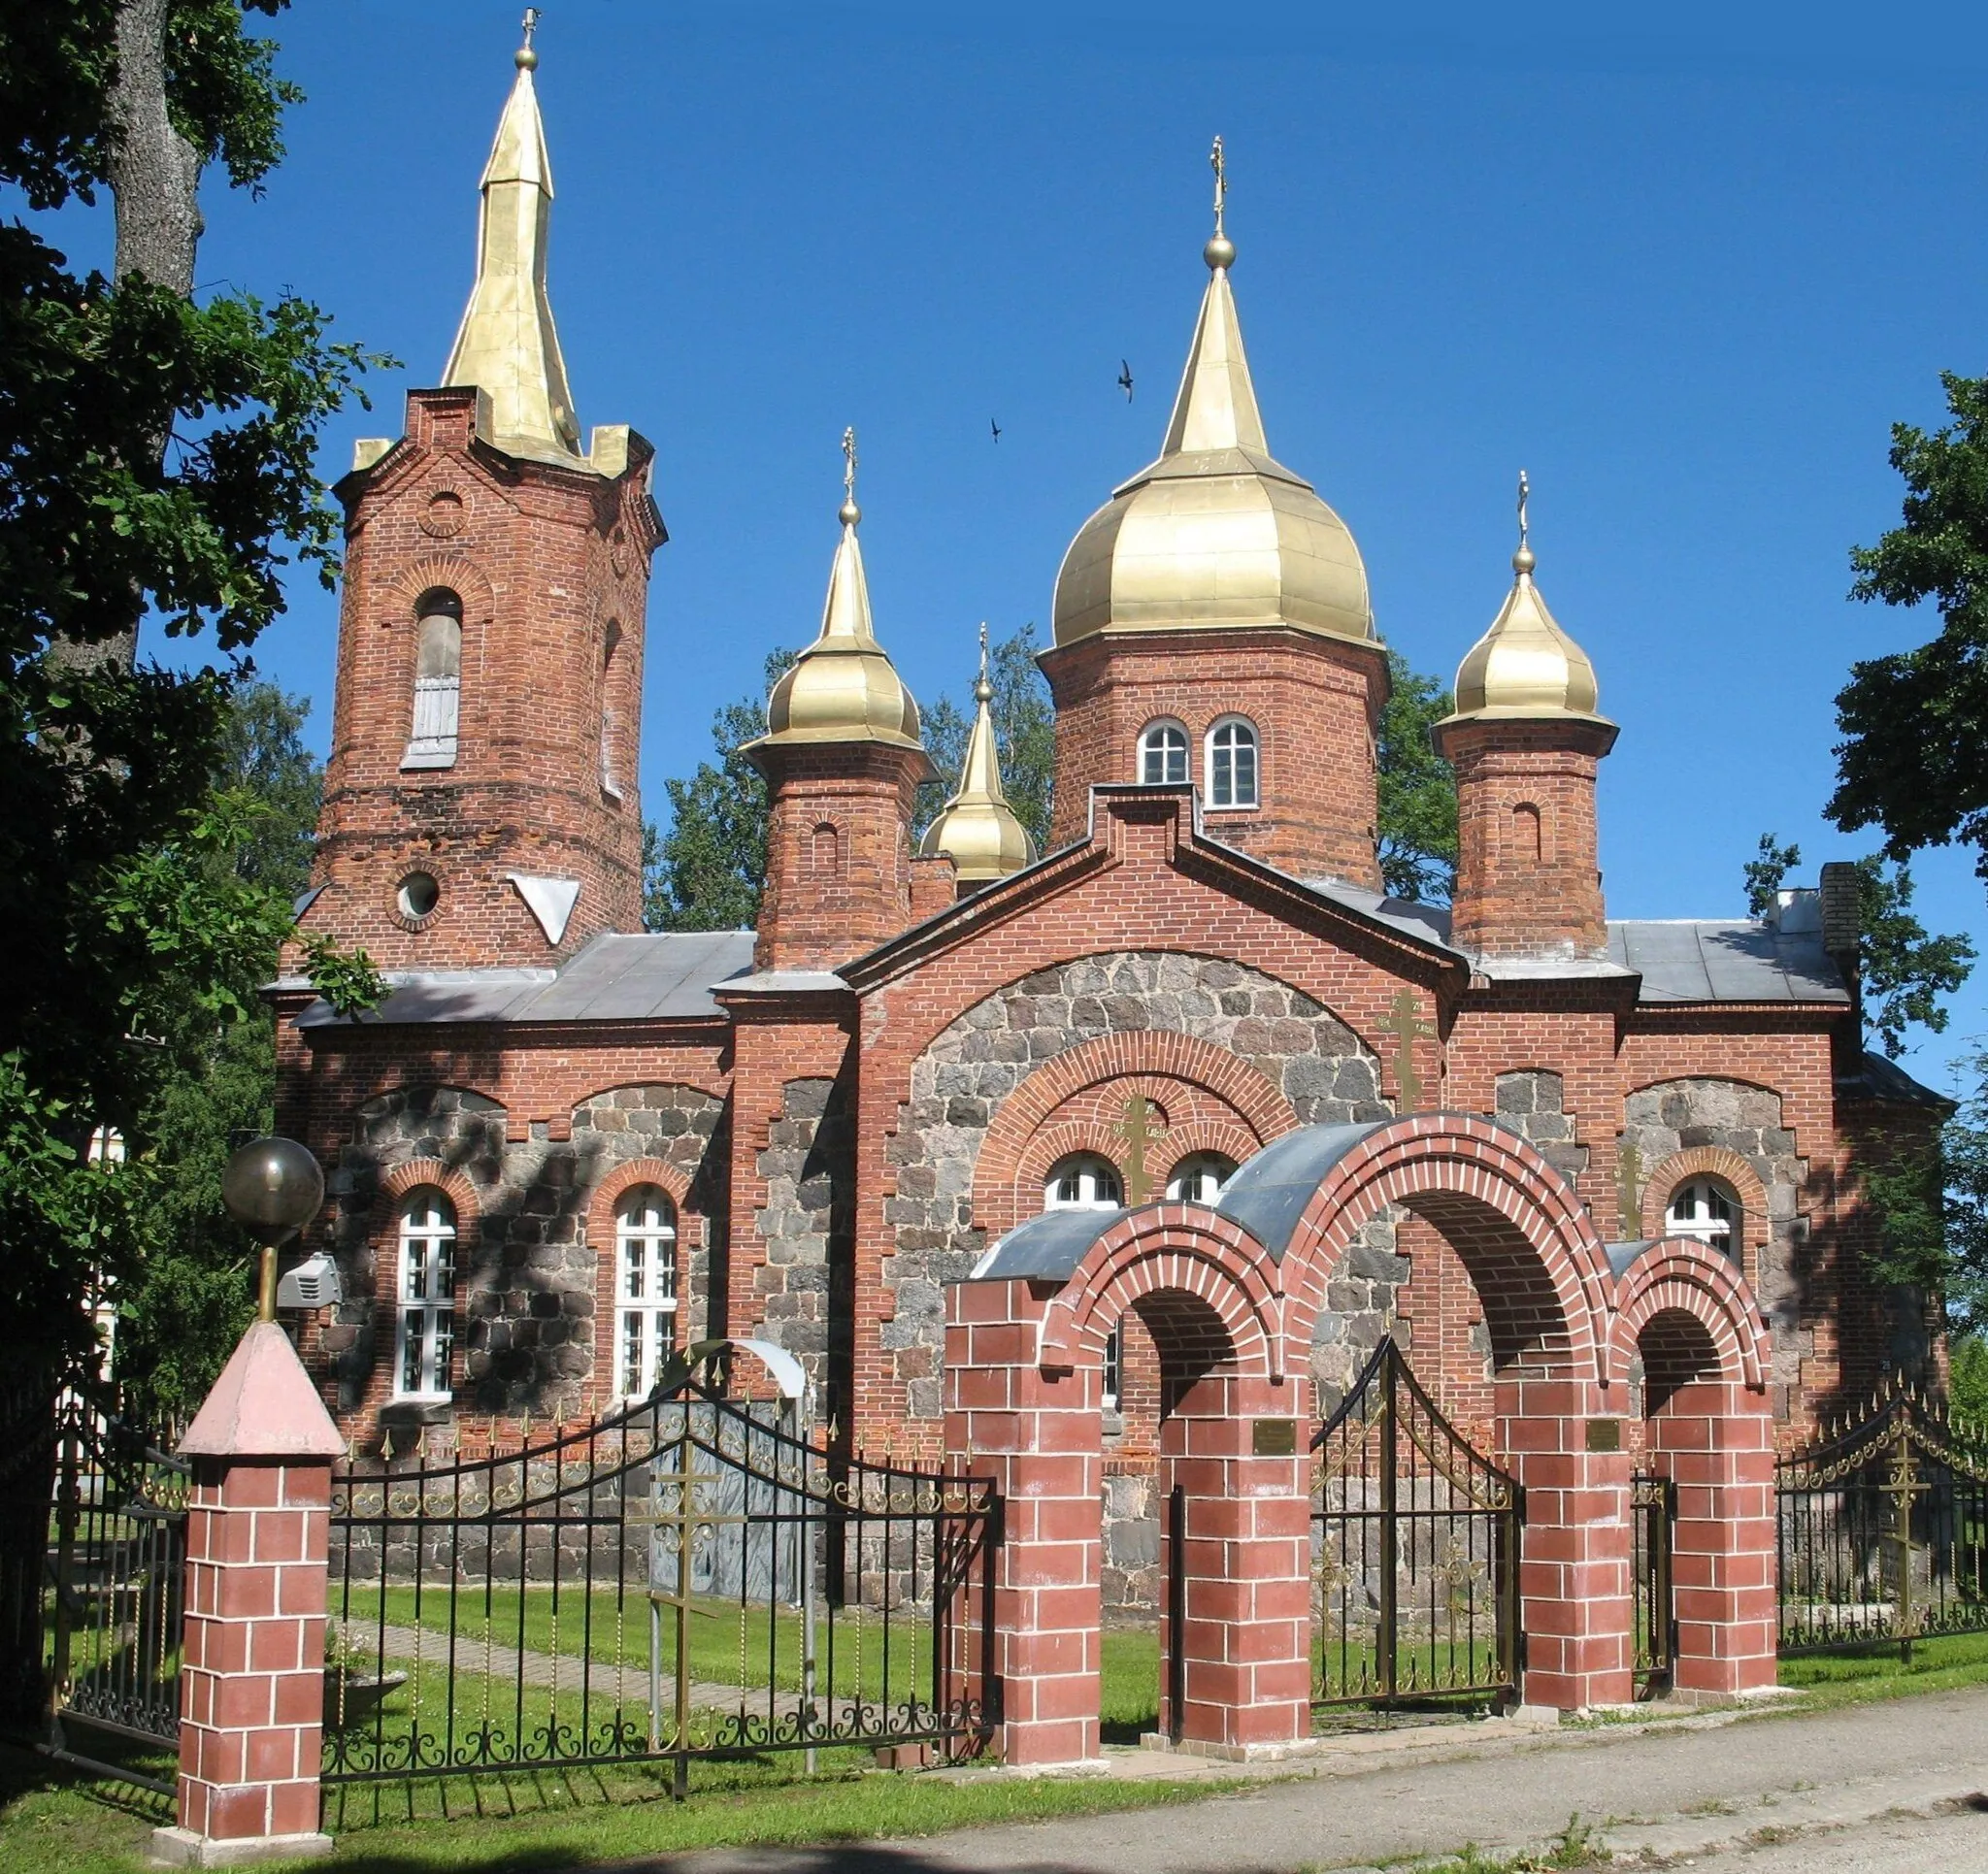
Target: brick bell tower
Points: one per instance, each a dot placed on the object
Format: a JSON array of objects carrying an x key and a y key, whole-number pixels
[
  {"x": 480, "y": 805},
  {"x": 843, "y": 762},
  {"x": 1527, "y": 743},
  {"x": 1212, "y": 627}
]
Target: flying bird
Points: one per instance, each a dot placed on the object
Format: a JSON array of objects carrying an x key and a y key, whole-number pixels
[
  {"x": 1125, "y": 379},
  {"x": 995, "y": 427}
]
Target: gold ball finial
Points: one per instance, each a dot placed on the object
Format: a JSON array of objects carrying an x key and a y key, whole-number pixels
[
  {"x": 983, "y": 690},
  {"x": 1220, "y": 250},
  {"x": 849, "y": 513},
  {"x": 1523, "y": 562},
  {"x": 526, "y": 58}
]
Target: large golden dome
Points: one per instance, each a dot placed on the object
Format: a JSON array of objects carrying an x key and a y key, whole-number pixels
[
  {"x": 1525, "y": 666},
  {"x": 1217, "y": 532}
]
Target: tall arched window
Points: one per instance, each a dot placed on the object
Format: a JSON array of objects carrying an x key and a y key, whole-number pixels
[
  {"x": 1232, "y": 764},
  {"x": 1082, "y": 1181},
  {"x": 611, "y": 753},
  {"x": 438, "y": 679},
  {"x": 1163, "y": 755},
  {"x": 645, "y": 1288},
  {"x": 1708, "y": 1209},
  {"x": 1199, "y": 1177},
  {"x": 825, "y": 851},
  {"x": 425, "y": 1326},
  {"x": 1525, "y": 831}
]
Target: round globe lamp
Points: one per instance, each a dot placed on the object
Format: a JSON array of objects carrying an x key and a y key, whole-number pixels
[{"x": 271, "y": 1187}]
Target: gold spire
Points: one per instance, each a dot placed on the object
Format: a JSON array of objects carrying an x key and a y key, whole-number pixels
[
  {"x": 977, "y": 826},
  {"x": 843, "y": 687},
  {"x": 1525, "y": 666},
  {"x": 507, "y": 346},
  {"x": 1216, "y": 531}
]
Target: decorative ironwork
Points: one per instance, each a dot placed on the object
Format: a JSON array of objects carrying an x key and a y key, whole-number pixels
[
  {"x": 116, "y": 1588},
  {"x": 1653, "y": 1510},
  {"x": 1883, "y": 1530},
  {"x": 1415, "y": 1537},
  {"x": 683, "y": 1580}
]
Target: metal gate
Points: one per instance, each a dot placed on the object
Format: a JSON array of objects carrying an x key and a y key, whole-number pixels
[
  {"x": 115, "y": 1595},
  {"x": 1653, "y": 1505},
  {"x": 1416, "y": 1542},
  {"x": 683, "y": 1580},
  {"x": 1882, "y": 1532}
]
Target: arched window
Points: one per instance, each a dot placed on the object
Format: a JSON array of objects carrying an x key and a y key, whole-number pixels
[
  {"x": 1082, "y": 1181},
  {"x": 611, "y": 753},
  {"x": 1163, "y": 755},
  {"x": 645, "y": 1288},
  {"x": 1114, "y": 1373},
  {"x": 1232, "y": 764},
  {"x": 1708, "y": 1209},
  {"x": 1525, "y": 831},
  {"x": 438, "y": 679},
  {"x": 426, "y": 1328},
  {"x": 825, "y": 851},
  {"x": 1199, "y": 1177}
]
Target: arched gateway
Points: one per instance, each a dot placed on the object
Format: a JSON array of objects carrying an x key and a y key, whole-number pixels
[{"x": 1233, "y": 1296}]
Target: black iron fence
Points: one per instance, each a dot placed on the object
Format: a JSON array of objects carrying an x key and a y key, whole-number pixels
[
  {"x": 1415, "y": 1543},
  {"x": 683, "y": 1580},
  {"x": 1883, "y": 1530},
  {"x": 1653, "y": 1511}
]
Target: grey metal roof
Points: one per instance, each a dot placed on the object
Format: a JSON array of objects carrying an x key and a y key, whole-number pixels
[
  {"x": 1881, "y": 1079},
  {"x": 1425, "y": 923},
  {"x": 1269, "y": 1194},
  {"x": 1047, "y": 1248},
  {"x": 654, "y": 976},
  {"x": 1736, "y": 961},
  {"x": 1623, "y": 1256}
]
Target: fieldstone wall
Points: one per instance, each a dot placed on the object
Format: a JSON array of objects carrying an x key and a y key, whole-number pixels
[
  {"x": 809, "y": 1226},
  {"x": 526, "y": 1289},
  {"x": 1534, "y": 1105},
  {"x": 1297, "y": 1044}
]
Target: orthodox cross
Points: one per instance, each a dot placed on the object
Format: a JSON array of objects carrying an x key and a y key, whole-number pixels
[
  {"x": 1137, "y": 1130},
  {"x": 1408, "y": 1028},
  {"x": 1525, "y": 491},
  {"x": 849, "y": 463},
  {"x": 1219, "y": 164},
  {"x": 1629, "y": 1189},
  {"x": 531, "y": 25}
]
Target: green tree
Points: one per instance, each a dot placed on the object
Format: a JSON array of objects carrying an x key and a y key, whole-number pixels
[
  {"x": 1914, "y": 758},
  {"x": 1024, "y": 736},
  {"x": 1417, "y": 789}
]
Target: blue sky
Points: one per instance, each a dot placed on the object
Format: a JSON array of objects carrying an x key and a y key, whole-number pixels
[{"x": 1685, "y": 268}]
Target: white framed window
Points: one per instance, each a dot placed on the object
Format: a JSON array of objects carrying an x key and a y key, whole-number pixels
[
  {"x": 1232, "y": 763},
  {"x": 1705, "y": 1209},
  {"x": 1163, "y": 755},
  {"x": 1199, "y": 1177},
  {"x": 1083, "y": 1181},
  {"x": 1113, "y": 1368},
  {"x": 645, "y": 1288},
  {"x": 425, "y": 1330},
  {"x": 438, "y": 680}
]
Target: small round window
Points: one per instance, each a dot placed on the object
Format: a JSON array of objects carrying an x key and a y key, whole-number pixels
[{"x": 418, "y": 895}]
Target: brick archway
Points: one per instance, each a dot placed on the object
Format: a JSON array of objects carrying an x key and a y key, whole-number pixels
[
  {"x": 1662, "y": 1179},
  {"x": 1688, "y": 1314}
]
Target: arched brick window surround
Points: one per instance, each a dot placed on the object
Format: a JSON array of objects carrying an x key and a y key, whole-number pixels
[
  {"x": 600, "y": 1223},
  {"x": 1184, "y": 1251},
  {"x": 998, "y": 1176},
  {"x": 394, "y": 1185},
  {"x": 1662, "y": 1179},
  {"x": 1525, "y": 1238},
  {"x": 1683, "y": 1275}
]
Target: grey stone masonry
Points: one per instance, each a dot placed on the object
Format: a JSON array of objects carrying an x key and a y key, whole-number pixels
[
  {"x": 1533, "y": 1103},
  {"x": 808, "y": 1226},
  {"x": 957, "y": 1085}
]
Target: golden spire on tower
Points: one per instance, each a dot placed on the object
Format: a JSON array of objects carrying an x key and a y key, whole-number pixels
[
  {"x": 507, "y": 345},
  {"x": 977, "y": 826}
]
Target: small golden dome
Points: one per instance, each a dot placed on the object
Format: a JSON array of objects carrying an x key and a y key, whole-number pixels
[
  {"x": 1217, "y": 532},
  {"x": 1525, "y": 666},
  {"x": 843, "y": 687},
  {"x": 977, "y": 826}
]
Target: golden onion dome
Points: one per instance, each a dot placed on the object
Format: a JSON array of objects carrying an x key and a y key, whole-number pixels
[
  {"x": 1525, "y": 666},
  {"x": 843, "y": 687},
  {"x": 977, "y": 826},
  {"x": 1216, "y": 533}
]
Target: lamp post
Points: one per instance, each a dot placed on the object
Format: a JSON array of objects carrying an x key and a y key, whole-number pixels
[{"x": 271, "y": 1187}]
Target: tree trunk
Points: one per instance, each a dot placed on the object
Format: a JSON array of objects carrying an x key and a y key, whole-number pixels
[{"x": 155, "y": 186}]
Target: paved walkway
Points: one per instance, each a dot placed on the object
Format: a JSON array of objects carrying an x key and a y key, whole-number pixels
[{"x": 1667, "y": 1792}]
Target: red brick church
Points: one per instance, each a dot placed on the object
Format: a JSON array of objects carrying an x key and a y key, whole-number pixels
[{"x": 563, "y": 1145}]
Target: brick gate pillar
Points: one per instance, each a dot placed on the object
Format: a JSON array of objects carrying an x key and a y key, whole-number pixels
[
  {"x": 1040, "y": 1438},
  {"x": 1576, "y": 1551},
  {"x": 1245, "y": 1627},
  {"x": 251, "y": 1680},
  {"x": 1714, "y": 1440}
]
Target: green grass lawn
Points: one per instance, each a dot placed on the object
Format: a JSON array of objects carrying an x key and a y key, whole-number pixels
[{"x": 1877, "y": 1672}]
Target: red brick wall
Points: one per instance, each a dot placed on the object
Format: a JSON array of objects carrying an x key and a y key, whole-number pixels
[
  {"x": 548, "y": 563},
  {"x": 1316, "y": 702}
]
